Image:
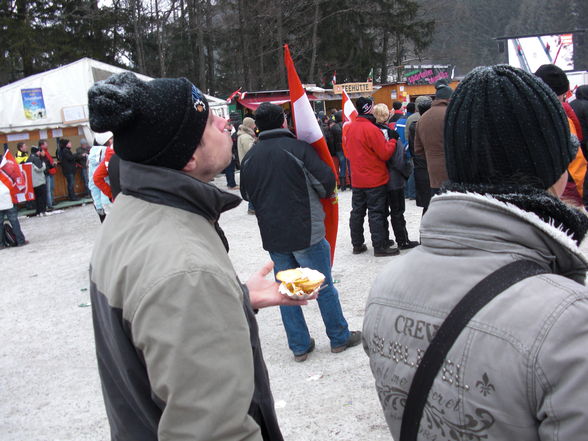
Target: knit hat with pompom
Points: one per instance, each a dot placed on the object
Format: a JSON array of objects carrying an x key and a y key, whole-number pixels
[{"x": 159, "y": 122}]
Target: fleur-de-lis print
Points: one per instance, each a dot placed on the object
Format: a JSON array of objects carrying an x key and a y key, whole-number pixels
[{"x": 485, "y": 387}]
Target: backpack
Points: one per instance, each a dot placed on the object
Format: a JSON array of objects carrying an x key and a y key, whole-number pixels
[{"x": 8, "y": 236}]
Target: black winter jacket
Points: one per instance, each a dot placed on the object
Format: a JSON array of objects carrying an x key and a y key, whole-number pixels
[
  {"x": 337, "y": 136},
  {"x": 68, "y": 161},
  {"x": 285, "y": 178}
]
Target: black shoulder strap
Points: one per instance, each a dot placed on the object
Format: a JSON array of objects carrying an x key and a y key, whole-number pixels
[{"x": 479, "y": 296}]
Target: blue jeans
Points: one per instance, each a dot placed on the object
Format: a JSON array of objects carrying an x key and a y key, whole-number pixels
[
  {"x": 318, "y": 257},
  {"x": 50, "y": 186},
  {"x": 342, "y": 164},
  {"x": 85, "y": 179},
  {"x": 410, "y": 188},
  {"x": 230, "y": 175},
  {"x": 12, "y": 215},
  {"x": 70, "y": 178}
]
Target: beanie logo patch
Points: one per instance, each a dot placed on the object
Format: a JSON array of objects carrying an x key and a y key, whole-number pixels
[{"x": 198, "y": 100}]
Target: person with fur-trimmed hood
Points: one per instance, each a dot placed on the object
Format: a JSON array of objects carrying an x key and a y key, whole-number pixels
[
  {"x": 518, "y": 370},
  {"x": 245, "y": 137}
]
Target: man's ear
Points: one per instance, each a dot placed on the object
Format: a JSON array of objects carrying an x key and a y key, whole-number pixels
[{"x": 192, "y": 163}]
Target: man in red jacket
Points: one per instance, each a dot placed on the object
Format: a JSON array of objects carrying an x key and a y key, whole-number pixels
[{"x": 368, "y": 150}]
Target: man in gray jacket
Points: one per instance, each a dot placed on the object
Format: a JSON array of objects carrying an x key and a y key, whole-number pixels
[
  {"x": 518, "y": 370},
  {"x": 176, "y": 338}
]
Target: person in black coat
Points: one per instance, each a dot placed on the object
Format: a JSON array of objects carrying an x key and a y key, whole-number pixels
[
  {"x": 68, "y": 166},
  {"x": 421, "y": 174},
  {"x": 336, "y": 131},
  {"x": 285, "y": 179}
]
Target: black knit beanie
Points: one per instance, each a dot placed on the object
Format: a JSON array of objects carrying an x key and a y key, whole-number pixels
[
  {"x": 443, "y": 91},
  {"x": 505, "y": 126},
  {"x": 159, "y": 122},
  {"x": 364, "y": 105},
  {"x": 554, "y": 77}
]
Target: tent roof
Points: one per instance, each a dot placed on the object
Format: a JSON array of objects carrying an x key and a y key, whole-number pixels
[
  {"x": 62, "y": 89},
  {"x": 100, "y": 67}
]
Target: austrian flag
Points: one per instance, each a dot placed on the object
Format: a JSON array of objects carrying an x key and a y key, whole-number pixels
[
  {"x": 308, "y": 130},
  {"x": 349, "y": 111},
  {"x": 235, "y": 94}
]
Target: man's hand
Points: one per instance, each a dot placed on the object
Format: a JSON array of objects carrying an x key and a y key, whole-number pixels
[{"x": 264, "y": 293}]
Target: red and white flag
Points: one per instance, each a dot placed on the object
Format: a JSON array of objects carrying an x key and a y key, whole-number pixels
[
  {"x": 308, "y": 130},
  {"x": 334, "y": 81},
  {"x": 18, "y": 178},
  {"x": 349, "y": 115},
  {"x": 349, "y": 111},
  {"x": 236, "y": 93}
]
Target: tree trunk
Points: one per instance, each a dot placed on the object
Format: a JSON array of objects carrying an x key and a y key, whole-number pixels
[
  {"x": 209, "y": 47},
  {"x": 280, "y": 38},
  {"x": 201, "y": 54},
  {"x": 398, "y": 55},
  {"x": 192, "y": 22},
  {"x": 22, "y": 14},
  {"x": 245, "y": 44},
  {"x": 314, "y": 41},
  {"x": 384, "y": 67},
  {"x": 135, "y": 7},
  {"x": 160, "y": 46}
]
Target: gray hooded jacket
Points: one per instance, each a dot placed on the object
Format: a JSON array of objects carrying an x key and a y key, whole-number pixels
[{"x": 519, "y": 370}]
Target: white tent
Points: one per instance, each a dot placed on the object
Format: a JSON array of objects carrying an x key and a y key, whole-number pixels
[{"x": 55, "y": 103}]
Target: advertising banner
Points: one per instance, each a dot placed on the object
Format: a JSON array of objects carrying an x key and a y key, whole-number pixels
[
  {"x": 33, "y": 104},
  {"x": 420, "y": 75}
]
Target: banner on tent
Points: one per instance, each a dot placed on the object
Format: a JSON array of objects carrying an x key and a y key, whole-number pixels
[{"x": 33, "y": 103}]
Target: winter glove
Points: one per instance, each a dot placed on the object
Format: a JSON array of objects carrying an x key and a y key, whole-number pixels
[{"x": 393, "y": 134}]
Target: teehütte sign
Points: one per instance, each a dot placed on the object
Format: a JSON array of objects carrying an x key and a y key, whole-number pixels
[{"x": 353, "y": 87}]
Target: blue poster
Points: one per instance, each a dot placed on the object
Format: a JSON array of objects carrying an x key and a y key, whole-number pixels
[{"x": 33, "y": 104}]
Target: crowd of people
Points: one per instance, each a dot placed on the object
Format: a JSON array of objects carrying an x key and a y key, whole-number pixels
[
  {"x": 86, "y": 161},
  {"x": 480, "y": 327}
]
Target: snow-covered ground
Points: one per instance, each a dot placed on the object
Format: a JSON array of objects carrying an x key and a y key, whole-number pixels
[{"x": 48, "y": 376}]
